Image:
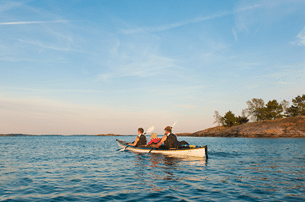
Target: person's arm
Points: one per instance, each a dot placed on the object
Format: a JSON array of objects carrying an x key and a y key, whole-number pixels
[
  {"x": 162, "y": 140},
  {"x": 135, "y": 142},
  {"x": 151, "y": 141}
]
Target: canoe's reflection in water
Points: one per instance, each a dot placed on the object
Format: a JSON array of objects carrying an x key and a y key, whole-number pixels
[{"x": 158, "y": 170}]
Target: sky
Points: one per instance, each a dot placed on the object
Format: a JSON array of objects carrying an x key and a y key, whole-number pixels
[{"x": 96, "y": 67}]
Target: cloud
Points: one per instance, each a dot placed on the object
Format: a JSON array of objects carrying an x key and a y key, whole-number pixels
[
  {"x": 212, "y": 56},
  {"x": 250, "y": 65},
  {"x": 234, "y": 34},
  {"x": 301, "y": 38},
  {"x": 105, "y": 77},
  {"x": 65, "y": 49},
  {"x": 186, "y": 22},
  {"x": 251, "y": 7},
  {"x": 33, "y": 22},
  {"x": 60, "y": 35},
  {"x": 5, "y": 51},
  {"x": 150, "y": 66},
  {"x": 135, "y": 59},
  {"x": 52, "y": 90},
  {"x": 8, "y": 6},
  {"x": 251, "y": 17}
]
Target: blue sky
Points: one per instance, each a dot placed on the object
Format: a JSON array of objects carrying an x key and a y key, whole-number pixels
[{"x": 90, "y": 67}]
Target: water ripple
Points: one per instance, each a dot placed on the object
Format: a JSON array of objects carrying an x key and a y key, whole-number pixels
[{"x": 87, "y": 168}]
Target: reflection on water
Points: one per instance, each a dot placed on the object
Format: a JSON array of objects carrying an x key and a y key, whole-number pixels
[
  {"x": 162, "y": 167},
  {"x": 85, "y": 168}
]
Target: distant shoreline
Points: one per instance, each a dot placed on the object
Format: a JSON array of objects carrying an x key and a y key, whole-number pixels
[
  {"x": 292, "y": 127},
  {"x": 16, "y": 135}
]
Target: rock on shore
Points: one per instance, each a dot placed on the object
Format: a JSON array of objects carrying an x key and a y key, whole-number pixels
[{"x": 292, "y": 127}]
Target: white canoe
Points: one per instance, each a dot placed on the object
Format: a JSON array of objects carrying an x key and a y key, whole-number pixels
[{"x": 194, "y": 152}]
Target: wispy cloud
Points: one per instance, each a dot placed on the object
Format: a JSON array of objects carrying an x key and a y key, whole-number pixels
[
  {"x": 33, "y": 22},
  {"x": 8, "y": 6},
  {"x": 5, "y": 51},
  {"x": 52, "y": 90},
  {"x": 250, "y": 65},
  {"x": 40, "y": 44},
  {"x": 213, "y": 56},
  {"x": 128, "y": 59},
  {"x": 173, "y": 25},
  {"x": 106, "y": 77},
  {"x": 301, "y": 38},
  {"x": 151, "y": 66},
  {"x": 186, "y": 22},
  {"x": 234, "y": 34},
  {"x": 248, "y": 8}
]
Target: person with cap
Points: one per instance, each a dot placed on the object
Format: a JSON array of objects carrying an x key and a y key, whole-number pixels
[
  {"x": 169, "y": 139},
  {"x": 153, "y": 139},
  {"x": 140, "y": 139}
]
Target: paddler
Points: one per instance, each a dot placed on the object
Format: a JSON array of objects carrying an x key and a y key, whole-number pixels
[
  {"x": 140, "y": 139},
  {"x": 154, "y": 139},
  {"x": 169, "y": 139}
]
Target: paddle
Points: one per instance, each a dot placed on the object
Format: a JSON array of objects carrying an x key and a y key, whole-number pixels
[
  {"x": 172, "y": 127},
  {"x": 175, "y": 122},
  {"x": 148, "y": 131}
]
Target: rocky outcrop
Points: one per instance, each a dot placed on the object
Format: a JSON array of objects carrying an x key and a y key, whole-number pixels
[{"x": 292, "y": 127}]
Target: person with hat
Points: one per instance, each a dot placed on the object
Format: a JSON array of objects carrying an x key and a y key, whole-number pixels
[
  {"x": 140, "y": 139},
  {"x": 169, "y": 139},
  {"x": 154, "y": 139}
]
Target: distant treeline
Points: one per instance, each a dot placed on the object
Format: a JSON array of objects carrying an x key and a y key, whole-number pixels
[
  {"x": 109, "y": 134},
  {"x": 14, "y": 135},
  {"x": 258, "y": 111}
]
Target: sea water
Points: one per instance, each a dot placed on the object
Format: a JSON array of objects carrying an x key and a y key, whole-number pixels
[{"x": 91, "y": 168}]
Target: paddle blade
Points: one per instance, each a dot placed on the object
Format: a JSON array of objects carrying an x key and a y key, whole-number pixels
[
  {"x": 150, "y": 129},
  {"x": 175, "y": 122}
]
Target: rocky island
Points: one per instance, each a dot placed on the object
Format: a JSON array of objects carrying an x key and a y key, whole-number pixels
[{"x": 291, "y": 127}]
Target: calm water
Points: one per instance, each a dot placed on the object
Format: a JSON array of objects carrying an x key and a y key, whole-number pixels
[{"x": 89, "y": 168}]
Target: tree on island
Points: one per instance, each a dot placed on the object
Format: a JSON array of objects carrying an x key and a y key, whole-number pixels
[
  {"x": 229, "y": 119},
  {"x": 298, "y": 107},
  {"x": 241, "y": 120},
  {"x": 285, "y": 105},
  {"x": 254, "y": 109},
  {"x": 272, "y": 110},
  {"x": 258, "y": 111},
  {"x": 218, "y": 118}
]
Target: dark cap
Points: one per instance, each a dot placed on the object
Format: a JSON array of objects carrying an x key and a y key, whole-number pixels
[
  {"x": 168, "y": 128},
  {"x": 141, "y": 130}
]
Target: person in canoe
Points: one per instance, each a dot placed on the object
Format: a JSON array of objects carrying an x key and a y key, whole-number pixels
[
  {"x": 169, "y": 139},
  {"x": 140, "y": 139},
  {"x": 153, "y": 140}
]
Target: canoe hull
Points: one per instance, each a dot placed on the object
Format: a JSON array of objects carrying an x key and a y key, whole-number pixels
[{"x": 194, "y": 152}]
